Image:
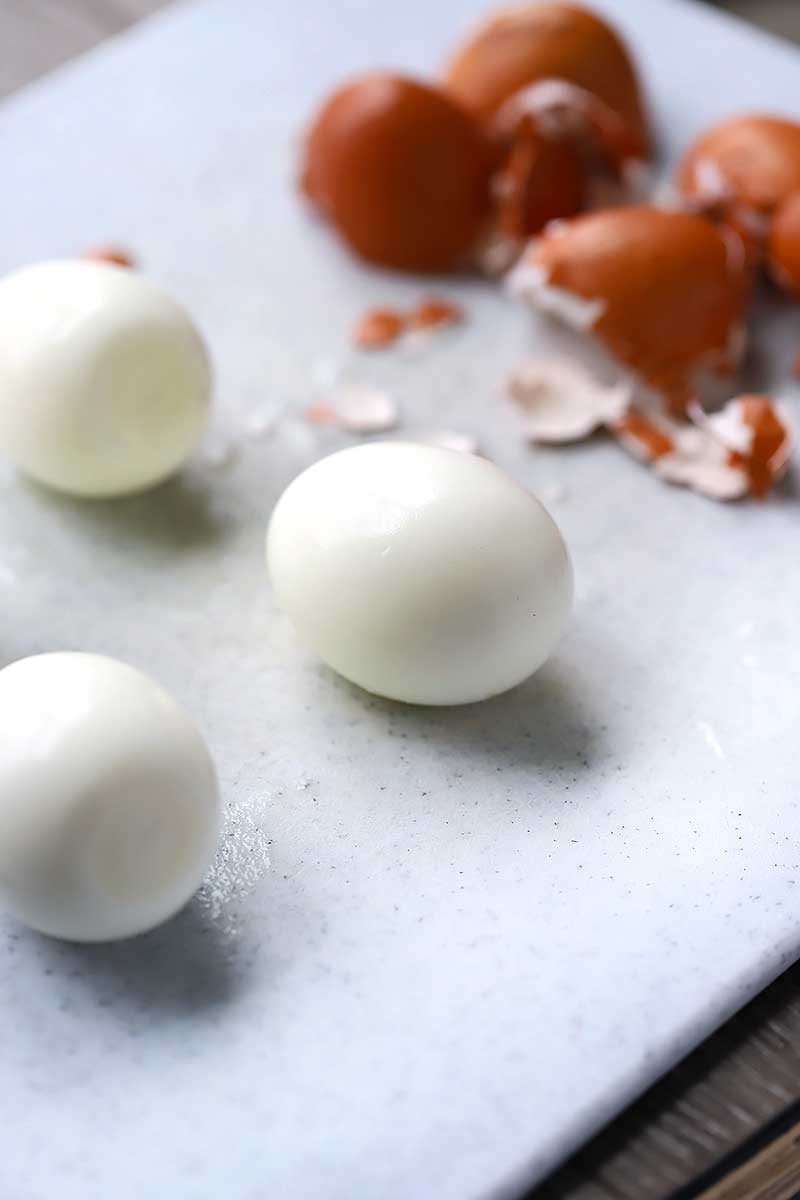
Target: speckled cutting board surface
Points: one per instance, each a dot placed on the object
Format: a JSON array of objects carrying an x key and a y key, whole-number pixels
[{"x": 439, "y": 948}]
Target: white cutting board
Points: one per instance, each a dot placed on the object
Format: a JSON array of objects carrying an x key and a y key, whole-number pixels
[{"x": 483, "y": 930}]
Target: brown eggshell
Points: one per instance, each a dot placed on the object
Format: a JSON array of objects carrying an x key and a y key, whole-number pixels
[
  {"x": 666, "y": 291},
  {"x": 769, "y": 437},
  {"x": 402, "y": 171},
  {"x": 117, "y": 255},
  {"x": 784, "y": 245},
  {"x": 752, "y": 161},
  {"x": 541, "y": 180},
  {"x": 517, "y": 47}
]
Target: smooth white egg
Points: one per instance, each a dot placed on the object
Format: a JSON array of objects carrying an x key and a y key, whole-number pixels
[
  {"x": 109, "y": 811},
  {"x": 104, "y": 380},
  {"x": 419, "y": 573}
]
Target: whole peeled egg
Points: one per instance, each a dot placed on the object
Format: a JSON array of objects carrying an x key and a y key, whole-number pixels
[
  {"x": 109, "y": 812},
  {"x": 104, "y": 379},
  {"x": 530, "y": 43},
  {"x": 401, "y": 170},
  {"x": 783, "y": 249},
  {"x": 421, "y": 574}
]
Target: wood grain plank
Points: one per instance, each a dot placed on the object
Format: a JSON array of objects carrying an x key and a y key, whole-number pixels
[
  {"x": 771, "y": 1174},
  {"x": 742, "y": 1078}
]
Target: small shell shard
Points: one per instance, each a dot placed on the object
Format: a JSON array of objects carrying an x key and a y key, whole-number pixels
[
  {"x": 563, "y": 403},
  {"x": 377, "y": 328},
  {"x": 448, "y": 439},
  {"x": 435, "y": 312},
  {"x": 742, "y": 450},
  {"x": 356, "y": 408},
  {"x": 646, "y": 437},
  {"x": 530, "y": 283},
  {"x": 759, "y": 437},
  {"x": 118, "y": 256}
]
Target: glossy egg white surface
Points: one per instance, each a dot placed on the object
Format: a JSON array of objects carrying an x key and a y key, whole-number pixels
[
  {"x": 109, "y": 811},
  {"x": 419, "y": 573},
  {"x": 104, "y": 380}
]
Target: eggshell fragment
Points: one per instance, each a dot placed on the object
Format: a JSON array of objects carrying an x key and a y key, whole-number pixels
[
  {"x": 742, "y": 450},
  {"x": 665, "y": 291},
  {"x": 784, "y": 245},
  {"x": 681, "y": 454},
  {"x": 746, "y": 166},
  {"x": 759, "y": 437},
  {"x": 435, "y": 312},
  {"x": 542, "y": 179},
  {"x": 702, "y": 464},
  {"x": 648, "y": 437},
  {"x": 401, "y": 170},
  {"x": 574, "y": 117},
  {"x": 380, "y": 328},
  {"x": 519, "y": 46},
  {"x": 356, "y": 408},
  {"x": 561, "y": 402},
  {"x": 117, "y": 255},
  {"x": 447, "y": 439},
  {"x": 377, "y": 328}
]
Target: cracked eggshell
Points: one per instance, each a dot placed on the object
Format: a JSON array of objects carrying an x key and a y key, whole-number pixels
[
  {"x": 420, "y": 574},
  {"x": 561, "y": 402},
  {"x": 541, "y": 180},
  {"x": 664, "y": 291},
  {"x": 751, "y": 160},
  {"x": 577, "y": 119},
  {"x": 401, "y": 170},
  {"x": 783, "y": 250},
  {"x": 356, "y": 408},
  {"x": 519, "y": 46},
  {"x": 742, "y": 450},
  {"x": 681, "y": 454},
  {"x": 759, "y": 435}
]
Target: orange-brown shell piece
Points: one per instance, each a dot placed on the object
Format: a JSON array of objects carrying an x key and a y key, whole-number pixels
[
  {"x": 434, "y": 312},
  {"x": 752, "y": 160},
  {"x": 769, "y": 438},
  {"x": 784, "y": 245},
  {"x": 520, "y": 46},
  {"x": 541, "y": 180},
  {"x": 378, "y": 327},
  {"x": 670, "y": 287},
  {"x": 402, "y": 171},
  {"x": 118, "y": 255}
]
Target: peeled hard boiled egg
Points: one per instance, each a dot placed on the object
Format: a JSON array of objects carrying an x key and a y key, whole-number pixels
[
  {"x": 419, "y": 573},
  {"x": 104, "y": 380},
  {"x": 109, "y": 813}
]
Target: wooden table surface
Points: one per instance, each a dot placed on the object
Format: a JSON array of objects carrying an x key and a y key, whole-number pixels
[{"x": 725, "y": 1123}]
